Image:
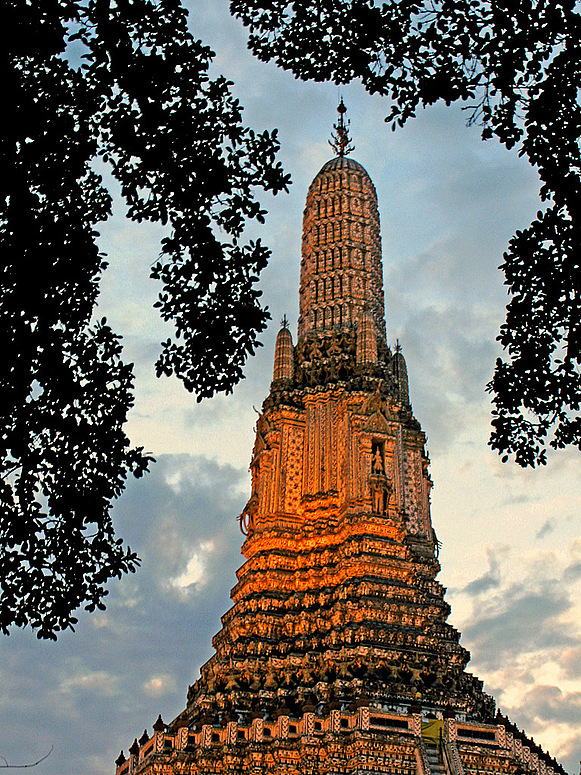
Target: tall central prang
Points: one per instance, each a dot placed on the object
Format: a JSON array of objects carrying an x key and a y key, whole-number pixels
[
  {"x": 336, "y": 656},
  {"x": 337, "y": 601}
]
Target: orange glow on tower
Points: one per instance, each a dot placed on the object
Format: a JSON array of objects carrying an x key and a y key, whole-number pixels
[{"x": 336, "y": 655}]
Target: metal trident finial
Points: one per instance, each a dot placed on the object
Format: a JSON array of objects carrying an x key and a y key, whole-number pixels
[{"x": 340, "y": 141}]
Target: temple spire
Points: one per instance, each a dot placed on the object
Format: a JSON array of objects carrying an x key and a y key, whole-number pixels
[
  {"x": 340, "y": 141},
  {"x": 341, "y": 272}
]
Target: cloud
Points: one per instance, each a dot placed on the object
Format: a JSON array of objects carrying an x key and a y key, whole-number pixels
[
  {"x": 518, "y": 619},
  {"x": 573, "y": 571},
  {"x": 550, "y": 702},
  {"x": 553, "y": 717},
  {"x": 90, "y": 693},
  {"x": 546, "y": 529},
  {"x": 449, "y": 368},
  {"x": 98, "y": 683},
  {"x": 158, "y": 685},
  {"x": 521, "y": 605},
  {"x": 570, "y": 661},
  {"x": 489, "y": 580},
  {"x": 194, "y": 574},
  {"x": 521, "y": 624}
]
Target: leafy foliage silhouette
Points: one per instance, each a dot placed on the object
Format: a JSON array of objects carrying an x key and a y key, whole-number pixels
[
  {"x": 516, "y": 65},
  {"x": 141, "y": 100}
]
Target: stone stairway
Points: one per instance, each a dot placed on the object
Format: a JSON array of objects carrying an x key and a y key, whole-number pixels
[{"x": 434, "y": 757}]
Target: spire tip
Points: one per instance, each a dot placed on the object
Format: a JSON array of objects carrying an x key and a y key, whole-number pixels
[{"x": 340, "y": 141}]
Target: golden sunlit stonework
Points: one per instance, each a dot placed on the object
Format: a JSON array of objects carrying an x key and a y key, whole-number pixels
[{"x": 336, "y": 656}]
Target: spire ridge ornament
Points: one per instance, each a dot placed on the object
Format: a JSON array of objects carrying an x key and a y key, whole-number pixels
[{"x": 340, "y": 141}]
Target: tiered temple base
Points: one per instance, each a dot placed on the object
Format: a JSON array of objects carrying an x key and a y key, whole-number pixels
[{"x": 358, "y": 741}]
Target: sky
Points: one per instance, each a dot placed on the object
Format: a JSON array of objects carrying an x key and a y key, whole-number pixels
[{"x": 511, "y": 549}]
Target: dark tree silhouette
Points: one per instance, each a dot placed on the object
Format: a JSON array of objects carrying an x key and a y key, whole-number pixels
[
  {"x": 516, "y": 65},
  {"x": 140, "y": 99}
]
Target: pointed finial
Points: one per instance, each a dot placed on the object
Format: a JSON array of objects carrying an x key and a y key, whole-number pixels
[
  {"x": 284, "y": 322},
  {"x": 340, "y": 141}
]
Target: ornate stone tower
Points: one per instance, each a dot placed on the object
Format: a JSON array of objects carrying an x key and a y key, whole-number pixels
[{"x": 336, "y": 656}]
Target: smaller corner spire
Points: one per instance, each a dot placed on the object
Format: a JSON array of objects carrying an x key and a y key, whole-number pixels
[{"x": 340, "y": 141}]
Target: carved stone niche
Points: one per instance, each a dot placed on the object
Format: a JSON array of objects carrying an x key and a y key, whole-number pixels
[
  {"x": 380, "y": 486},
  {"x": 377, "y": 458}
]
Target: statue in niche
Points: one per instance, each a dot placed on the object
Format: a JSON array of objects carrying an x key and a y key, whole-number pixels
[
  {"x": 377, "y": 458},
  {"x": 377, "y": 464},
  {"x": 378, "y": 500},
  {"x": 380, "y": 486}
]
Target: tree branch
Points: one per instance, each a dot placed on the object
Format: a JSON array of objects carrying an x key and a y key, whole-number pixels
[{"x": 7, "y": 766}]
